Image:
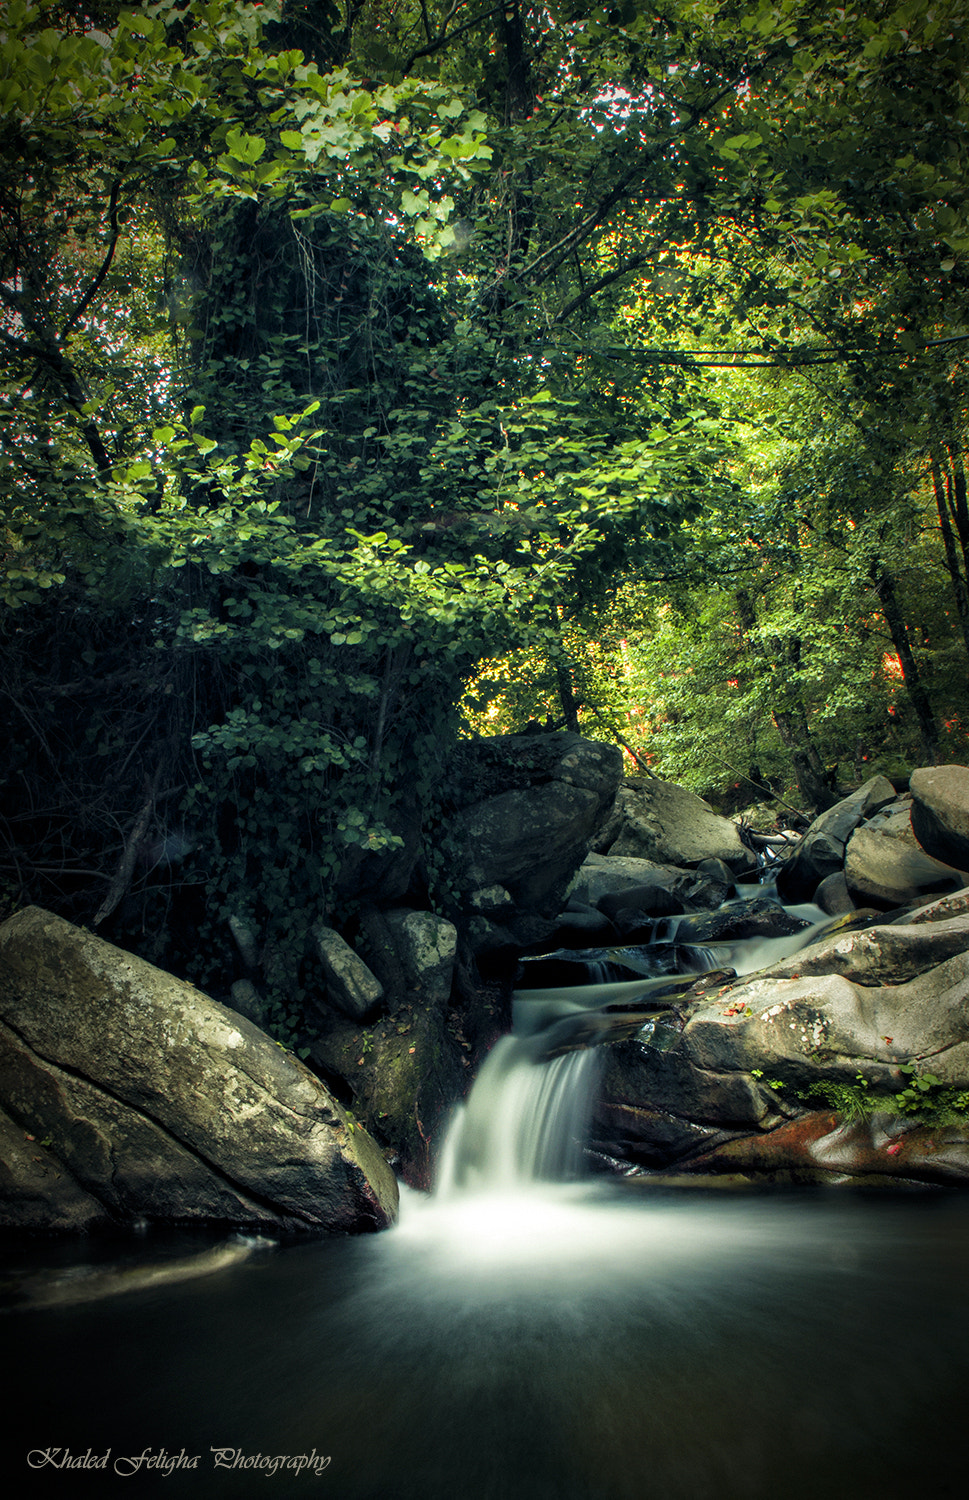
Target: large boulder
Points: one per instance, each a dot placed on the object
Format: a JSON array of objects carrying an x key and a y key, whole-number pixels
[
  {"x": 606, "y": 875},
  {"x": 668, "y": 824},
  {"x": 940, "y": 813},
  {"x": 528, "y": 806},
  {"x": 885, "y": 866},
  {"x": 821, "y": 852},
  {"x": 143, "y": 1099}
]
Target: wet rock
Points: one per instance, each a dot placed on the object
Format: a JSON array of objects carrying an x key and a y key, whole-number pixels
[
  {"x": 860, "y": 1012},
  {"x": 643, "y": 901},
  {"x": 758, "y": 918},
  {"x": 822, "y": 1145},
  {"x": 649, "y": 1137},
  {"x": 940, "y": 813},
  {"x": 579, "y": 926},
  {"x": 159, "y": 1103}
]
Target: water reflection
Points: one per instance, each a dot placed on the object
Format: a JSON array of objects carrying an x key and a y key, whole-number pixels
[{"x": 580, "y": 1343}]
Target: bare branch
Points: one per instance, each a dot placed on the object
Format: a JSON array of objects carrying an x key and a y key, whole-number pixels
[{"x": 105, "y": 266}]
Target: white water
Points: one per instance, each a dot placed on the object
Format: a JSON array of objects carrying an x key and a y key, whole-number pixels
[{"x": 524, "y": 1121}]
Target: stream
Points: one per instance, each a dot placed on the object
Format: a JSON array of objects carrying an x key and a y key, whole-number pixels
[{"x": 526, "y": 1333}]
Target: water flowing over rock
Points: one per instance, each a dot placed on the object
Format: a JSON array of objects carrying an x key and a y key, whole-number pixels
[
  {"x": 854, "y": 1017},
  {"x": 142, "y": 1099}
]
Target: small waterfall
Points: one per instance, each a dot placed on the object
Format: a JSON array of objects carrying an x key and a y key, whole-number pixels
[
  {"x": 527, "y": 1117},
  {"x": 525, "y": 1120}
]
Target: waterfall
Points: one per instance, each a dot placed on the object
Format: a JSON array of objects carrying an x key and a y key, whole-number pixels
[
  {"x": 528, "y": 1113},
  {"x": 525, "y": 1120}
]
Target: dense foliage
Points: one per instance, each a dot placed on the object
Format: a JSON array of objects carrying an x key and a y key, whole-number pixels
[{"x": 365, "y": 381}]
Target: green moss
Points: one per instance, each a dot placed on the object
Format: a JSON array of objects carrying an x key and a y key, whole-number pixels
[{"x": 926, "y": 1098}]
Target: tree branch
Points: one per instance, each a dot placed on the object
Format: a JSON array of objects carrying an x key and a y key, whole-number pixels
[
  {"x": 105, "y": 266},
  {"x": 590, "y": 291}
]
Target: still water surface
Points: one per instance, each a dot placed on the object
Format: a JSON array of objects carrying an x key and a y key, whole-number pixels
[{"x": 585, "y": 1342}]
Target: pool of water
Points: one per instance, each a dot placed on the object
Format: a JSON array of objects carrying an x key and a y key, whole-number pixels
[{"x": 613, "y": 1341}]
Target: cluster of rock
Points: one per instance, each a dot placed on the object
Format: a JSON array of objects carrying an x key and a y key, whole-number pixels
[
  {"x": 849, "y": 1058},
  {"x": 127, "y": 1095}
]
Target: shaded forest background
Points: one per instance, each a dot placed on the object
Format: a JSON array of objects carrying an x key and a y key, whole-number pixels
[{"x": 378, "y": 374}]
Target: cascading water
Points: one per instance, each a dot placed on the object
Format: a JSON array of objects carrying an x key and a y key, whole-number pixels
[
  {"x": 518, "y": 1338},
  {"x": 526, "y": 1118},
  {"x": 525, "y": 1121}
]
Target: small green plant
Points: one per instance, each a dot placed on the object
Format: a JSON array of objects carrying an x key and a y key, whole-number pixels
[
  {"x": 854, "y": 1101},
  {"x": 772, "y": 1083},
  {"x": 926, "y": 1097}
]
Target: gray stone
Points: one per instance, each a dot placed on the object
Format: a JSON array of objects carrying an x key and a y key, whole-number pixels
[
  {"x": 159, "y": 1103},
  {"x": 350, "y": 985},
  {"x": 528, "y": 807},
  {"x": 885, "y": 867},
  {"x": 603, "y": 874},
  {"x": 668, "y": 824},
  {"x": 821, "y": 851},
  {"x": 428, "y": 946},
  {"x": 246, "y": 999},
  {"x": 940, "y": 813},
  {"x": 832, "y": 895}
]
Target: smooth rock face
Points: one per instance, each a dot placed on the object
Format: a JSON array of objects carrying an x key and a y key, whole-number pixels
[
  {"x": 821, "y": 852},
  {"x": 152, "y": 1101},
  {"x": 667, "y": 824},
  {"x": 940, "y": 813},
  {"x": 885, "y": 867},
  {"x": 350, "y": 985}
]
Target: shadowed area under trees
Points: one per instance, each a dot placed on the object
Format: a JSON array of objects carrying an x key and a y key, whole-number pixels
[{"x": 375, "y": 374}]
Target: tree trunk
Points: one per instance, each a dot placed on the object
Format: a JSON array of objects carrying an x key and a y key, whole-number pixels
[
  {"x": 942, "y": 487},
  {"x": 808, "y": 769},
  {"x": 570, "y": 704},
  {"x": 914, "y": 687}
]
